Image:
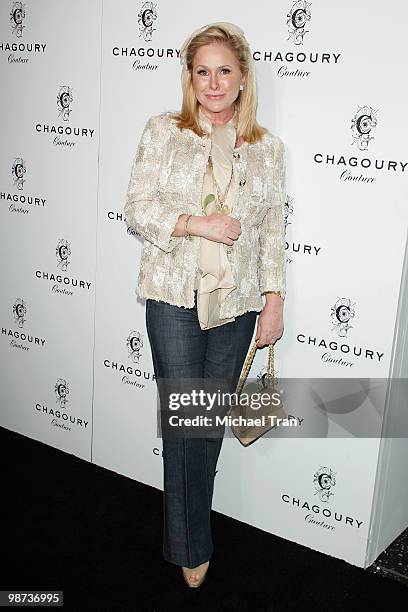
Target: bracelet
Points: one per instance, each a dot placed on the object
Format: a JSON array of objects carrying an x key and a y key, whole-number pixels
[
  {"x": 186, "y": 234},
  {"x": 276, "y": 292}
]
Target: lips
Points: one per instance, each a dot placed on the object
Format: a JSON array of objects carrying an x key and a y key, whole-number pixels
[{"x": 215, "y": 97}]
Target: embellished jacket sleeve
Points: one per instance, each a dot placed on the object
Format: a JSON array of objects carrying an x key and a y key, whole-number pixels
[
  {"x": 152, "y": 213},
  {"x": 272, "y": 254}
]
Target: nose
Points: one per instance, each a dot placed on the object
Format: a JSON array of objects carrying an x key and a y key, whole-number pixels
[{"x": 213, "y": 81}]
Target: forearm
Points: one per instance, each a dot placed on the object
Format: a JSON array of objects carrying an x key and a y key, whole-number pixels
[
  {"x": 272, "y": 255},
  {"x": 149, "y": 211}
]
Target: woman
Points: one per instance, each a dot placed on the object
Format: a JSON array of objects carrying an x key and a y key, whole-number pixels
[{"x": 207, "y": 193}]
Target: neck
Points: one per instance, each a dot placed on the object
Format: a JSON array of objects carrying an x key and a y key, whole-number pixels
[{"x": 221, "y": 117}]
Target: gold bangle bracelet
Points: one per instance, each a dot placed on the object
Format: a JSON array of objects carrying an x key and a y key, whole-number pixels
[
  {"x": 276, "y": 292},
  {"x": 186, "y": 234}
]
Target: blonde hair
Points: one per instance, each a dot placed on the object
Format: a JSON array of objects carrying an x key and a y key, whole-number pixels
[{"x": 246, "y": 102}]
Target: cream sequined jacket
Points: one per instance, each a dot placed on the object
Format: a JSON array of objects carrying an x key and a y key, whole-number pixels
[{"x": 166, "y": 180}]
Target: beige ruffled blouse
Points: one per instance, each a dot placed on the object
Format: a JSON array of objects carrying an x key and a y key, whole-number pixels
[{"x": 214, "y": 279}]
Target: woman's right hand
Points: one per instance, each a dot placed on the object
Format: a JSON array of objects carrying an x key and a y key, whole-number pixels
[{"x": 217, "y": 227}]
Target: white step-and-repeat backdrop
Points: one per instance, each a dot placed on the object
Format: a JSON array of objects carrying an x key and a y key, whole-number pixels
[{"x": 79, "y": 83}]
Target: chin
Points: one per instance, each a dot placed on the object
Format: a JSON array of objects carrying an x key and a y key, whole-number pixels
[{"x": 216, "y": 105}]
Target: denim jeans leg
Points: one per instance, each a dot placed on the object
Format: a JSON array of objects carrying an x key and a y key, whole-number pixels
[
  {"x": 227, "y": 348},
  {"x": 178, "y": 350},
  {"x": 181, "y": 349}
]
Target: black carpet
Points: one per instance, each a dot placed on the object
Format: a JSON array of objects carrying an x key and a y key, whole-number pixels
[{"x": 72, "y": 526}]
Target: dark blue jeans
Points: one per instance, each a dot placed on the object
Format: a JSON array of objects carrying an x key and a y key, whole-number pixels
[{"x": 181, "y": 349}]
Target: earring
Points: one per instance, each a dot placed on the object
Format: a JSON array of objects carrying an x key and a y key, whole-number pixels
[{"x": 241, "y": 87}]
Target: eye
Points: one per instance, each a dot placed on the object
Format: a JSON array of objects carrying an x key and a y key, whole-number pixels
[
  {"x": 226, "y": 70},
  {"x": 201, "y": 71}
]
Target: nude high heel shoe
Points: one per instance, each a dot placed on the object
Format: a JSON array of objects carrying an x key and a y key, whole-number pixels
[{"x": 194, "y": 576}]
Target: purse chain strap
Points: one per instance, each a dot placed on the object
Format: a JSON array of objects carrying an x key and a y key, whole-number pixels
[{"x": 248, "y": 363}]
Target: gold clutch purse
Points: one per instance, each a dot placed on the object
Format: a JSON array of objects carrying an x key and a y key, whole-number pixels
[{"x": 251, "y": 417}]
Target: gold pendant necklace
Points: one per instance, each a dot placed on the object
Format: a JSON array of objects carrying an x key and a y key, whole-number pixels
[{"x": 220, "y": 198}]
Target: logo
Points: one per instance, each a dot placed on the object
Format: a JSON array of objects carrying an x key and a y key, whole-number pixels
[
  {"x": 324, "y": 481},
  {"x": 64, "y": 99},
  {"x": 18, "y": 171},
  {"x": 59, "y": 418},
  {"x": 19, "y": 312},
  {"x": 63, "y": 283},
  {"x": 297, "y": 63},
  {"x": 134, "y": 342},
  {"x": 362, "y": 123},
  {"x": 18, "y": 50},
  {"x": 19, "y": 202},
  {"x": 341, "y": 313},
  {"x": 63, "y": 251},
  {"x": 61, "y": 392},
  {"x": 146, "y": 18},
  {"x": 17, "y": 15},
  {"x": 133, "y": 373},
  {"x": 297, "y": 19},
  {"x": 146, "y": 57}
]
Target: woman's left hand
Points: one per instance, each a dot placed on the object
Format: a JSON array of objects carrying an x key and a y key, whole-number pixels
[{"x": 270, "y": 322}]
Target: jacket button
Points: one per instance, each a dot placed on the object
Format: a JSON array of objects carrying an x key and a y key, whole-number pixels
[
  {"x": 242, "y": 182},
  {"x": 236, "y": 155}
]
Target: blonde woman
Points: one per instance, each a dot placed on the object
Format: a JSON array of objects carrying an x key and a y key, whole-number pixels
[{"x": 206, "y": 193}]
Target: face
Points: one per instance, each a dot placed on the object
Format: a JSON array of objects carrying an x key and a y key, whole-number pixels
[{"x": 216, "y": 77}]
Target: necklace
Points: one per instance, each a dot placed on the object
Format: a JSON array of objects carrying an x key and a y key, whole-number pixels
[{"x": 220, "y": 198}]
